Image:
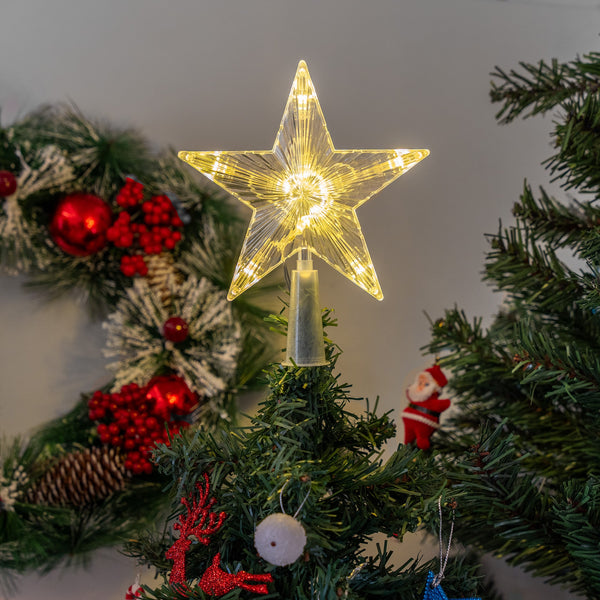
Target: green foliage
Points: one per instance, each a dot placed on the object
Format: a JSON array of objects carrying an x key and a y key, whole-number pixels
[
  {"x": 103, "y": 155},
  {"x": 528, "y": 386},
  {"x": 573, "y": 87}
]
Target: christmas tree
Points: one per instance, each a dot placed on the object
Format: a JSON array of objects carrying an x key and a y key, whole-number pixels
[
  {"x": 529, "y": 384},
  {"x": 304, "y": 454}
]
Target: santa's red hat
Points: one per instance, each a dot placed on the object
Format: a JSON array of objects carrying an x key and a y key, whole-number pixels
[{"x": 438, "y": 375}]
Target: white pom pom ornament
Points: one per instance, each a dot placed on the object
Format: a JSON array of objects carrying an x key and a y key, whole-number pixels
[{"x": 280, "y": 539}]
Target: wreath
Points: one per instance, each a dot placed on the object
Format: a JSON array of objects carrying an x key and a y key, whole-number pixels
[{"x": 88, "y": 209}]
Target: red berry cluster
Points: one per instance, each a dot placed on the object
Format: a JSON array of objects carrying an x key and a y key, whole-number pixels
[
  {"x": 130, "y": 265},
  {"x": 131, "y": 194},
  {"x": 159, "y": 230},
  {"x": 133, "y": 420},
  {"x": 121, "y": 232}
]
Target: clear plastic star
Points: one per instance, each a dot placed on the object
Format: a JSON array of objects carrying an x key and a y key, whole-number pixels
[{"x": 304, "y": 193}]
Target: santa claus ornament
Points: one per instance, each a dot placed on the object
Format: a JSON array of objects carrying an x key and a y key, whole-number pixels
[
  {"x": 280, "y": 538},
  {"x": 422, "y": 415},
  {"x": 134, "y": 591}
]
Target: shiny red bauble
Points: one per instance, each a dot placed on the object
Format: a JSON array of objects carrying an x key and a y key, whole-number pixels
[
  {"x": 171, "y": 395},
  {"x": 8, "y": 183},
  {"x": 80, "y": 223},
  {"x": 175, "y": 330}
]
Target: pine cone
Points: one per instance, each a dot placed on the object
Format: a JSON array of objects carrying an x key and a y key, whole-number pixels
[
  {"x": 80, "y": 478},
  {"x": 161, "y": 269}
]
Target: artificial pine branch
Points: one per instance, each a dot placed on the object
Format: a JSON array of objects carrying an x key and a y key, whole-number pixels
[
  {"x": 528, "y": 387},
  {"x": 532, "y": 272},
  {"x": 556, "y": 224},
  {"x": 102, "y": 155},
  {"x": 577, "y": 136},
  {"x": 539, "y": 88}
]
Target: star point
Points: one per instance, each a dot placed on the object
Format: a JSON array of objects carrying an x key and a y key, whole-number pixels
[{"x": 304, "y": 192}]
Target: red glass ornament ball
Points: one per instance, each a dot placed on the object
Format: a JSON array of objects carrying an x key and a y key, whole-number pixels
[
  {"x": 171, "y": 395},
  {"x": 80, "y": 223},
  {"x": 8, "y": 183},
  {"x": 175, "y": 329}
]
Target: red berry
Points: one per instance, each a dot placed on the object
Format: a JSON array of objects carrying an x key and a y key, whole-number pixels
[
  {"x": 127, "y": 270},
  {"x": 175, "y": 329},
  {"x": 8, "y": 183}
]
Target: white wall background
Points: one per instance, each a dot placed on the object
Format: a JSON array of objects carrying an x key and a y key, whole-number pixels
[{"x": 205, "y": 75}]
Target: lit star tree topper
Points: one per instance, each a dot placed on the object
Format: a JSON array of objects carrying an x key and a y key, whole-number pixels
[{"x": 304, "y": 193}]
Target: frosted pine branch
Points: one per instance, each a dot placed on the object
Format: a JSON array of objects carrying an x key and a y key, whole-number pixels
[
  {"x": 208, "y": 359},
  {"x": 45, "y": 170}
]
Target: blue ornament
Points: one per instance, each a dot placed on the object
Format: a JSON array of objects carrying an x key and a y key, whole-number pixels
[{"x": 436, "y": 592}]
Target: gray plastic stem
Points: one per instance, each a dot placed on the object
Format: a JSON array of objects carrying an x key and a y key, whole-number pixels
[{"x": 305, "y": 345}]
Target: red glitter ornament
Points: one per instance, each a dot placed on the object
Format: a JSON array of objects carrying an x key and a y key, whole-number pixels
[
  {"x": 199, "y": 521},
  {"x": 80, "y": 223},
  {"x": 217, "y": 582},
  {"x": 175, "y": 330},
  {"x": 8, "y": 183},
  {"x": 193, "y": 522}
]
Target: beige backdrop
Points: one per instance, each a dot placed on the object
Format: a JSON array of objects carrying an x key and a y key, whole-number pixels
[{"x": 199, "y": 74}]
